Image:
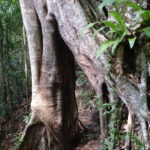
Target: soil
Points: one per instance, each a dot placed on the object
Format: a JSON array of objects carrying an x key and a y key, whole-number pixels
[
  {"x": 90, "y": 139},
  {"x": 13, "y": 128}
]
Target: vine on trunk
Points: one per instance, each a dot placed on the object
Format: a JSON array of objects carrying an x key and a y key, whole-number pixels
[{"x": 128, "y": 41}]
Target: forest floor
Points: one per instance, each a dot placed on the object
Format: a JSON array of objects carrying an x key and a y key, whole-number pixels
[{"x": 13, "y": 128}]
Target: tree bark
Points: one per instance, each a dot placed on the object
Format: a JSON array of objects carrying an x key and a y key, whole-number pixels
[
  {"x": 53, "y": 78},
  {"x": 54, "y": 38}
]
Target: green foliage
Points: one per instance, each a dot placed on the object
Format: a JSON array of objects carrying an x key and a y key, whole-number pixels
[
  {"x": 137, "y": 142},
  {"x": 86, "y": 96},
  {"x": 114, "y": 135},
  {"x": 118, "y": 28},
  {"x": 132, "y": 41},
  {"x": 90, "y": 25},
  {"x": 114, "y": 27},
  {"x": 16, "y": 141},
  {"x": 133, "y": 5},
  {"x": 13, "y": 81},
  {"x": 26, "y": 118},
  {"x": 81, "y": 80},
  {"x": 118, "y": 31},
  {"x": 107, "y": 108},
  {"x": 95, "y": 103},
  {"x": 145, "y": 14},
  {"x": 104, "y": 46},
  {"x": 111, "y": 141},
  {"x": 147, "y": 31},
  {"x": 119, "y": 20}
]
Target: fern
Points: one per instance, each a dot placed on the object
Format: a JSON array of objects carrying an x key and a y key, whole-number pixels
[
  {"x": 104, "y": 47},
  {"x": 90, "y": 25},
  {"x": 119, "y": 19},
  {"x": 133, "y": 5}
]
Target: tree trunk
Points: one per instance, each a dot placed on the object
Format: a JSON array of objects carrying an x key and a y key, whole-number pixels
[
  {"x": 54, "y": 38},
  {"x": 53, "y": 78},
  {"x": 5, "y": 80}
]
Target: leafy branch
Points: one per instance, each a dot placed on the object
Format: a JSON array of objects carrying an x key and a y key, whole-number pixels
[{"x": 118, "y": 29}]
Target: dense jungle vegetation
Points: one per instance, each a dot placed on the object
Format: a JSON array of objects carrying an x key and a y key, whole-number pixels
[{"x": 15, "y": 81}]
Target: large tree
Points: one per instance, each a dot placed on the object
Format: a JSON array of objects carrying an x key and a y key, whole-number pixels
[{"x": 55, "y": 42}]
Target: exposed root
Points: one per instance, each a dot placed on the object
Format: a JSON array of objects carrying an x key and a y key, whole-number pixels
[
  {"x": 33, "y": 120},
  {"x": 144, "y": 131},
  {"x": 128, "y": 129},
  {"x": 115, "y": 116},
  {"x": 103, "y": 120},
  {"x": 50, "y": 133},
  {"x": 143, "y": 96},
  {"x": 119, "y": 61}
]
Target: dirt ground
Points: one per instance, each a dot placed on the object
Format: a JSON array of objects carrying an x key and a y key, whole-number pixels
[{"x": 13, "y": 128}]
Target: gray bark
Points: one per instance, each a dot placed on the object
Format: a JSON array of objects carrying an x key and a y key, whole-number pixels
[{"x": 50, "y": 26}]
